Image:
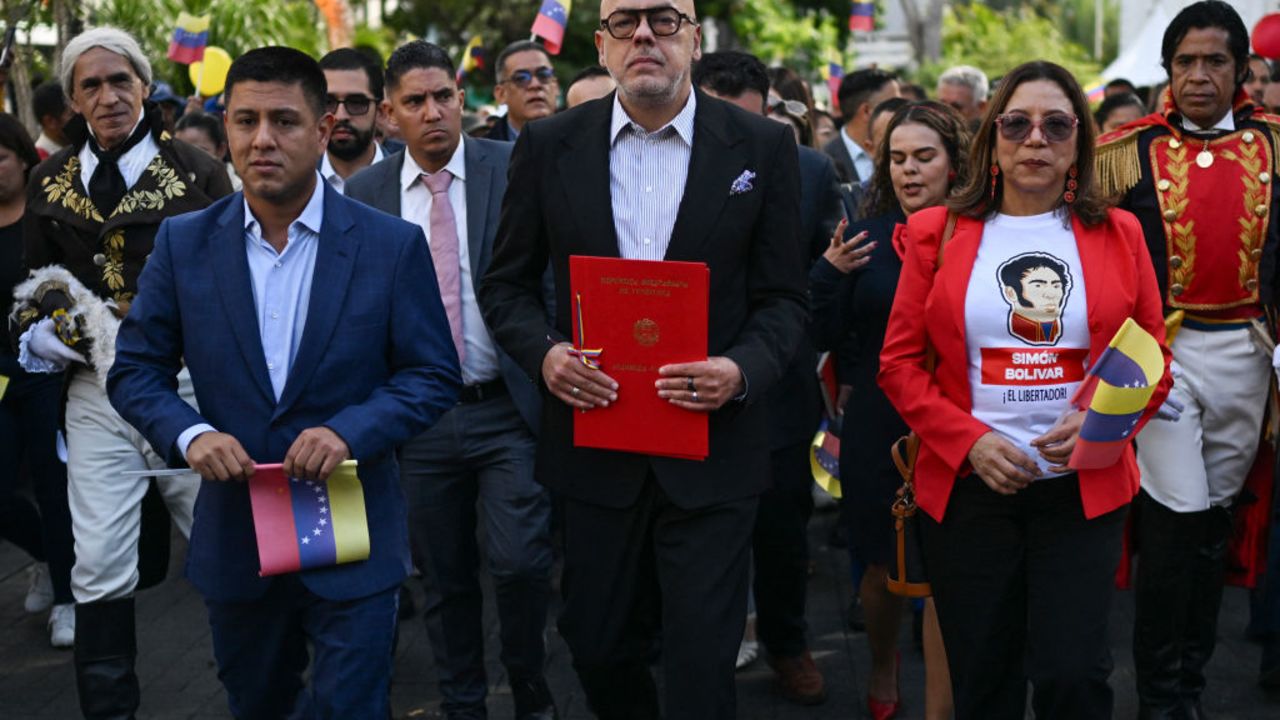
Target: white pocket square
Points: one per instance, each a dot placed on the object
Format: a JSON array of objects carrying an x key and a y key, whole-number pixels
[{"x": 743, "y": 183}]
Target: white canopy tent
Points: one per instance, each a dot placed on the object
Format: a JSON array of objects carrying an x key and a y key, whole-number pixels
[{"x": 1140, "y": 62}]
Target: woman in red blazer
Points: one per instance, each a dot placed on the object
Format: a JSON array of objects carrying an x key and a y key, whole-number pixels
[{"x": 1034, "y": 282}]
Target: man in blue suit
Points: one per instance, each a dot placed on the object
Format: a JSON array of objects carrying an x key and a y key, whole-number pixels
[
  {"x": 314, "y": 332},
  {"x": 482, "y": 451}
]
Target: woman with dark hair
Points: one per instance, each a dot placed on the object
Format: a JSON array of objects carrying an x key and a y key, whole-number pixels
[
  {"x": 29, "y": 421},
  {"x": 206, "y": 132},
  {"x": 917, "y": 165},
  {"x": 1118, "y": 110},
  {"x": 1015, "y": 301}
]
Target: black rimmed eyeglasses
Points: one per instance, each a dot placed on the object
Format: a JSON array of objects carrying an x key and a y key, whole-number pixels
[
  {"x": 664, "y": 22},
  {"x": 356, "y": 104}
]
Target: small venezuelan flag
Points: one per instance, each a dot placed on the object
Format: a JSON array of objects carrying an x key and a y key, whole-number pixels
[
  {"x": 189, "y": 38},
  {"x": 833, "y": 73},
  {"x": 1116, "y": 392},
  {"x": 862, "y": 16},
  {"x": 550, "y": 23},
  {"x": 472, "y": 58},
  {"x": 1095, "y": 92},
  {"x": 302, "y": 524}
]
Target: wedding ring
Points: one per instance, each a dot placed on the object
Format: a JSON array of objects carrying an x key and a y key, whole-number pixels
[
  {"x": 576, "y": 390},
  {"x": 695, "y": 396},
  {"x": 688, "y": 385}
]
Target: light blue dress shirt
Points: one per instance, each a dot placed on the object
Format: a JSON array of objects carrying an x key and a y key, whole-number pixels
[{"x": 281, "y": 285}]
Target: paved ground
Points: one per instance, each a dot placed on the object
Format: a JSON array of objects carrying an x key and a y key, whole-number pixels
[{"x": 179, "y": 680}]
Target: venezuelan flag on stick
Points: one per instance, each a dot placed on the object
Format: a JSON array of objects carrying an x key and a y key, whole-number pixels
[
  {"x": 862, "y": 16},
  {"x": 833, "y": 73},
  {"x": 189, "y": 38},
  {"x": 1116, "y": 392},
  {"x": 472, "y": 58},
  {"x": 302, "y": 524},
  {"x": 1096, "y": 91},
  {"x": 550, "y": 23}
]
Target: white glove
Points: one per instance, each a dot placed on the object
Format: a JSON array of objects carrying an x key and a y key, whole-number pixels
[
  {"x": 1170, "y": 410},
  {"x": 41, "y": 350}
]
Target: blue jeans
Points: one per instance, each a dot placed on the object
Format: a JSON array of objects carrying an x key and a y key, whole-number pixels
[
  {"x": 261, "y": 650},
  {"x": 479, "y": 454}
]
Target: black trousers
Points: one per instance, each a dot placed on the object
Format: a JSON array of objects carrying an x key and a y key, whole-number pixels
[
  {"x": 781, "y": 553},
  {"x": 1023, "y": 587},
  {"x": 653, "y": 567}
]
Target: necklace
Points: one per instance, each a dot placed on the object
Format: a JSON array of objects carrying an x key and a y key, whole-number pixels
[{"x": 1204, "y": 158}]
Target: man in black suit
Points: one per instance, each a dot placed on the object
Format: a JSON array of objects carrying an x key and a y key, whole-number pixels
[
  {"x": 655, "y": 171},
  {"x": 780, "y": 542},
  {"x": 481, "y": 453},
  {"x": 860, "y": 92}
]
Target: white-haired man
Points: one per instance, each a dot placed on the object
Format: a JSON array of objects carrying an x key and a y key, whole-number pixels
[
  {"x": 964, "y": 88},
  {"x": 93, "y": 209}
]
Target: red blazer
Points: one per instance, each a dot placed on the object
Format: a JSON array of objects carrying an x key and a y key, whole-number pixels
[{"x": 1120, "y": 282}]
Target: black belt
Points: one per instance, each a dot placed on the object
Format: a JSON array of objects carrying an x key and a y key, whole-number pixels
[{"x": 482, "y": 391}]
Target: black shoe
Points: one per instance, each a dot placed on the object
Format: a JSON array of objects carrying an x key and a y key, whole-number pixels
[
  {"x": 104, "y": 655},
  {"x": 533, "y": 700},
  {"x": 1167, "y": 543}
]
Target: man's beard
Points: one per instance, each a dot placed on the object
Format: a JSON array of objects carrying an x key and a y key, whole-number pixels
[{"x": 350, "y": 149}]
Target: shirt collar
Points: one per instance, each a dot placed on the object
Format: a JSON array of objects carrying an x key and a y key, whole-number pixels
[
  {"x": 311, "y": 218},
  {"x": 410, "y": 171},
  {"x": 853, "y": 146},
  {"x": 326, "y": 166},
  {"x": 682, "y": 122},
  {"x": 1228, "y": 123}
]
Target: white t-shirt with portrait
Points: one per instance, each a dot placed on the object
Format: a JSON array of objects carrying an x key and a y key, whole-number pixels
[{"x": 1026, "y": 327}]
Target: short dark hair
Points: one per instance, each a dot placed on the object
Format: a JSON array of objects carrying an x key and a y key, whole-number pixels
[
  {"x": 48, "y": 100},
  {"x": 788, "y": 84},
  {"x": 1115, "y": 102},
  {"x": 417, "y": 55},
  {"x": 1208, "y": 14},
  {"x": 17, "y": 140},
  {"x": 205, "y": 122},
  {"x": 279, "y": 64},
  {"x": 352, "y": 59},
  {"x": 586, "y": 73},
  {"x": 731, "y": 73},
  {"x": 518, "y": 46},
  {"x": 857, "y": 88},
  {"x": 1120, "y": 83},
  {"x": 1012, "y": 272},
  {"x": 889, "y": 105}
]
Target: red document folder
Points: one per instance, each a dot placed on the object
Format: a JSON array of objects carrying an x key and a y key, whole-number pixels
[{"x": 642, "y": 314}]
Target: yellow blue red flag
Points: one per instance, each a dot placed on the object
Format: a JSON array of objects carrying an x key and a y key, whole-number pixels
[
  {"x": 190, "y": 38},
  {"x": 550, "y": 23},
  {"x": 1116, "y": 392},
  {"x": 862, "y": 16},
  {"x": 302, "y": 524}
]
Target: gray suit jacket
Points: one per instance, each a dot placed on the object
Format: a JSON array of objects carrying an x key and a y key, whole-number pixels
[
  {"x": 839, "y": 154},
  {"x": 379, "y": 186}
]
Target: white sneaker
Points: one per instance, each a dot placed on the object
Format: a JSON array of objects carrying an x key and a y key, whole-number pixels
[
  {"x": 62, "y": 625},
  {"x": 40, "y": 591}
]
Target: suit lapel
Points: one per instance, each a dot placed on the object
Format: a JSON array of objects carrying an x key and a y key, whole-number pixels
[
  {"x": 584, "y": 175},
  {"x": 236, "y": 290},
  {"x": 713, "y": 166},
  {"x": 957, "y": 265},
  {"x": 389, "y": 192},
  {"x": 479, "y": 180},
  {"x": 335, "y": 259}
]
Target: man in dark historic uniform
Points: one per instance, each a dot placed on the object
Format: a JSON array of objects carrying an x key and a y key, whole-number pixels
[
  {"x": 93, "y": 211},
  {"x": 1199, "y": 176}
]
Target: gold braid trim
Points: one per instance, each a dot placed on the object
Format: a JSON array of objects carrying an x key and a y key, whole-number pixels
[
  {"x": 1118, "y": 166},
  {"x": 1273, "y": 127}
]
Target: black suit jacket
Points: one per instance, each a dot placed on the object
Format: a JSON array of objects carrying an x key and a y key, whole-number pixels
[
  {"x": 839, "y": 154},
  {"x": 795, "y": 402},
  {"x": 559, "y": 205},
  {"x": 486, "y": 161}
]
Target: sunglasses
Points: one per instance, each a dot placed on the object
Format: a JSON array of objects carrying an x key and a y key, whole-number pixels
[
  {"x": 663, "y": 22},
  {"x": 794, "y": 108},
  {"x": 1016, "y": 127},
  {"x": 356, "y": 104},
  {"x": 522, "y": 78}
]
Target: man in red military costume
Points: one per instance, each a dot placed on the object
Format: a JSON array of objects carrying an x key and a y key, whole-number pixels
[{"x": 1198, "y": 175}]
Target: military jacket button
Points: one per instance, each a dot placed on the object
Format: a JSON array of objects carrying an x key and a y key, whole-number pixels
[
  {"x": 1170, "y": 215},
  {"x": 1164, "y": 185},
  {"x": 1264, "y": 177},
  {"x": 1175, "y": 144},
  {"x": 1176, "y": 289},
  {"x": 1251, "y": 284},
  {"x": 99, "y": 259},
  {"x": 1255, "y": 254},
  {"x": 1247, "y": 136},
  {"x": 1260, "y": 210},
  {"x": 1175, "y": 262}
]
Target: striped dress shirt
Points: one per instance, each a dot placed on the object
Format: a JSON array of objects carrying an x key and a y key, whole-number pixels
[{"x": 647, "y": 174}]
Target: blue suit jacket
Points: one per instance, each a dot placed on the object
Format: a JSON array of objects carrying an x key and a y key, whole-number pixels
[
  {"x": 375, "y": 364},
  {"x": 486, "y": 160}
]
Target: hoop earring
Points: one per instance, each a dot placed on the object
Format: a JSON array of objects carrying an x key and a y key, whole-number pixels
[
  {"x": 995, "y": 179},
  {"x": 1069, "y": 196}
]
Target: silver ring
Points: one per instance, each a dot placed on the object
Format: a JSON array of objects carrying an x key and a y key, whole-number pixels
[
  {"x": 688, "y": 384},
  {"x": 695, "y": 396},
  {"x": 576, "y": 390}
]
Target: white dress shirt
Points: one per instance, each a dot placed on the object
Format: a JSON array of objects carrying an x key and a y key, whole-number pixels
[
  {"x": 481, "y": 363},
  {"x": 647, "y": 175},
  {"x": 281, "y": 284},
  {"x": 862, "y": 162},
  {"x": 131, "y": 164},
  {"x": 1228, "y": 123},
  {"x": 338, "y": 182}
]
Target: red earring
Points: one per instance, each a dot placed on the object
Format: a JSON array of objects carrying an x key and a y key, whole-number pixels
[
  {"x": 995, "y": 179},
  {"x": 1070, "y": 195}
]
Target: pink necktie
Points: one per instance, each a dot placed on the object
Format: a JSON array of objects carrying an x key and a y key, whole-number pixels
[{"x": 444, "y": 253}]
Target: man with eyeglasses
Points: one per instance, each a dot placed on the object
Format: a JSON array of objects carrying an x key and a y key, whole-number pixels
[
  {"x": 354, "y": 96},
  {"x": 526, "y": 84},
  {"x": 481, "y": 454},
  {"x": 1198, "y": 174},
  {"x": 656, "y": 171}
]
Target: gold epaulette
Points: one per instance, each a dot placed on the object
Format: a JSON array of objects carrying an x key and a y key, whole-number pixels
[
  {"x": 1273, "y": 127},
  {"x": 1116, "y": 160}
]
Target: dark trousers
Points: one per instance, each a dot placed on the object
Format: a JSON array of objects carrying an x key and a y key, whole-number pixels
[
  {"x": 780, "y": 547},
  {"x": 1023, "y": 587},
  {"x": 261, "y": 650},
  {"x": 28, "y": 428},
  {"x": 479, "y": 454},
  {"x": 652, "y": 567}
]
